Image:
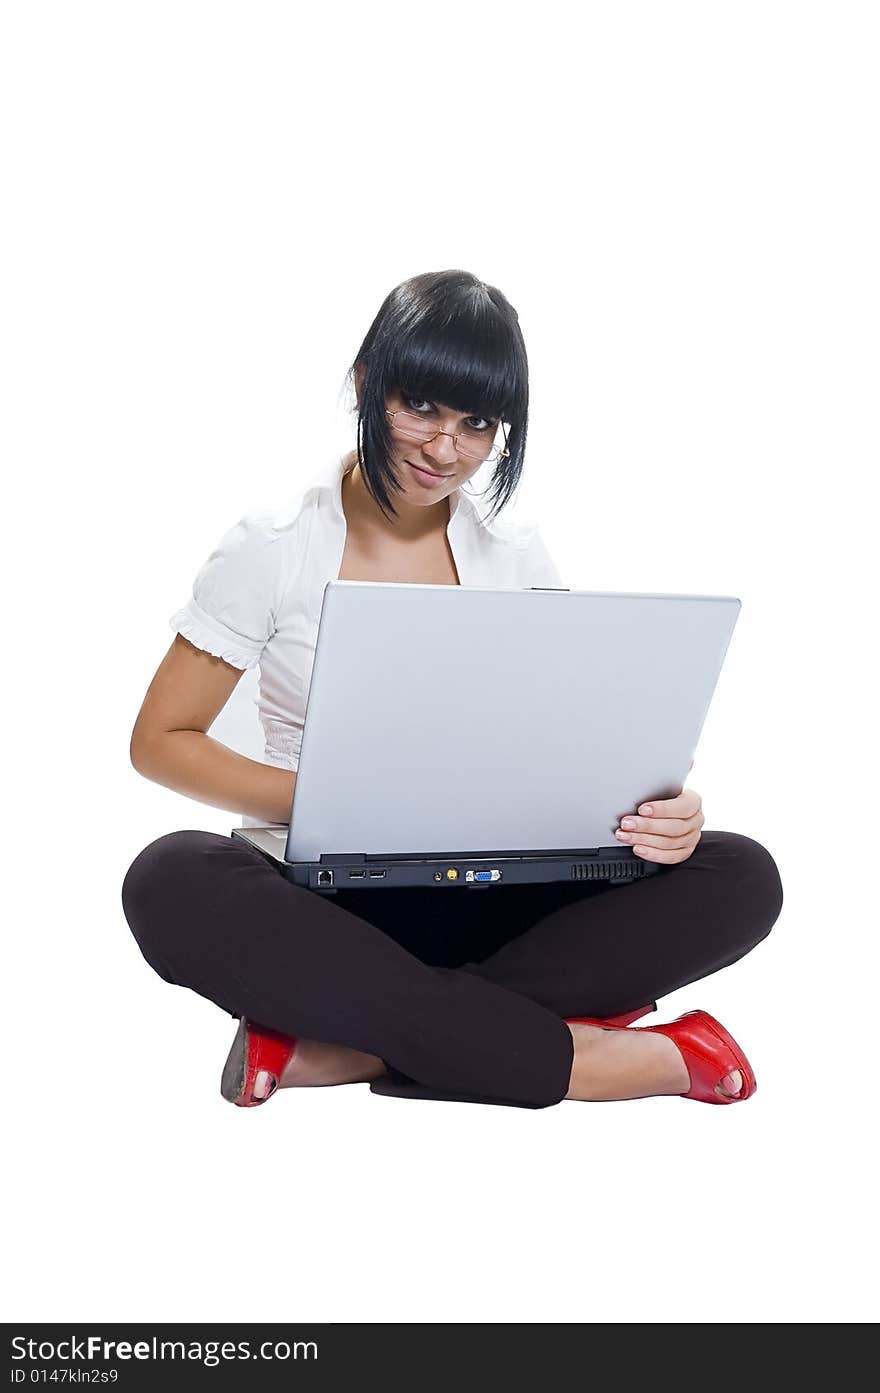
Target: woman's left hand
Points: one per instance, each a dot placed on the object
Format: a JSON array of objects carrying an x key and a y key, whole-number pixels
[{"x": 665, "y": 830}]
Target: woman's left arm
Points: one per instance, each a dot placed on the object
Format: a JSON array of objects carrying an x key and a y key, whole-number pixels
[{"x": 666, "y": 830}]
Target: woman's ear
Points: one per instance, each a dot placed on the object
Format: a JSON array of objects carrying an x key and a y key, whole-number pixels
[{"x": 360, "y": 374}]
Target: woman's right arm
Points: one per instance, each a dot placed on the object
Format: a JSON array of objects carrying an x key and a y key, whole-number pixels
[{"x": 170, "y": 744}]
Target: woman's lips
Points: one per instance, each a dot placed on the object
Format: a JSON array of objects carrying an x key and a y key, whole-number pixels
[{"x": 425, "y": 476}]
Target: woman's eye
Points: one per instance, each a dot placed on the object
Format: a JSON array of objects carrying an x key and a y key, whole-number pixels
[{"x": 477, "y": 423}]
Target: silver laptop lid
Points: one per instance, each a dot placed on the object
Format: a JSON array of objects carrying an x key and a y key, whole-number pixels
[{"x": 447, "y": 718}]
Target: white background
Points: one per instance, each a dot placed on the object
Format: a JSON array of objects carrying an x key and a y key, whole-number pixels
[{"x": 205, "y": 206}]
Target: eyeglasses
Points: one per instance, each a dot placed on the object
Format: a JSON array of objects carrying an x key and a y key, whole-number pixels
[{"x": 473, "y": 444}]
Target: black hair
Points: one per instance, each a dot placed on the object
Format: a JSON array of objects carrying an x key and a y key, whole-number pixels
[{"x": 447, "y": 337}]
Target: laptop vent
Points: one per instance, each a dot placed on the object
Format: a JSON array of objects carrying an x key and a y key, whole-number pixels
[{"x": 605, "y": 870}]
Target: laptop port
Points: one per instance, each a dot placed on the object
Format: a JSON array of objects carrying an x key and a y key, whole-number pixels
[
  {"x": 325, "y": 877},
  {"x": 377, "y": 875},
  {"x": 356, "y": 875}
]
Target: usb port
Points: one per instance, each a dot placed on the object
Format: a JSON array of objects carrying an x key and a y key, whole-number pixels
[
  {"x": 377, "y": 875},
  {"x": 356, "y": 875}
]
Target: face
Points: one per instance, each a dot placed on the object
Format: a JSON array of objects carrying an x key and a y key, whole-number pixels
[{"x": 430, "y": 470}]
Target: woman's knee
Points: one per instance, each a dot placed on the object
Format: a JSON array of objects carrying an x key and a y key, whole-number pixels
[
  {"x": 162, "y": 862},
  {"x": 152, "y": 885},
  {"x": 751, "y": 878}
]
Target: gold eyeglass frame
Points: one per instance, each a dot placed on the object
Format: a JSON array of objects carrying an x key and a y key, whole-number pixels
[{"x": 502, "y": 454}]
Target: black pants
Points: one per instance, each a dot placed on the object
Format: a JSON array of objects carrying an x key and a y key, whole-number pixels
[{"x": 462, "y": 991}]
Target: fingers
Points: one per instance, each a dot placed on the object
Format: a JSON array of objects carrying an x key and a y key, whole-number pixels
[
  {"x": 669, "y": 832},
  {"x": 685, "y": 805},
  {"x": 663, "y": 826},
  {"x": 637, "y": 829},
  {"x": 660, "y": 849}
]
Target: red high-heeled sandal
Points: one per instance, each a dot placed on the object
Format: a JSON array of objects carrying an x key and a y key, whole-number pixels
[
  {"x": 255, "y": 1049},
  {"x": 709, "y": 1052}
]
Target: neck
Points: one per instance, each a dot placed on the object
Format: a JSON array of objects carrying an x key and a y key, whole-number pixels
[{"x": 411, "y": 525}]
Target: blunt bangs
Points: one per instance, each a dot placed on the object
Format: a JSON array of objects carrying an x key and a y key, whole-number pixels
[
  {"x": 450, "y": 365},
  {"x": 452, "y": 339}
]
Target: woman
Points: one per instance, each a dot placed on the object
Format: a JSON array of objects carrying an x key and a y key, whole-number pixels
[{"x": 523, "y": 996}]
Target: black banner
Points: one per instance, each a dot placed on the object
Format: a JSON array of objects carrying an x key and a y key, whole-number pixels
[{"x": 123, "y": 1356}]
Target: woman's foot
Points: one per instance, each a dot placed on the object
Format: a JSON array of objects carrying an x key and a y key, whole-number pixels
[
  {"x": 615, "y": 1064},
  {"x": 316, "y": 1064}
]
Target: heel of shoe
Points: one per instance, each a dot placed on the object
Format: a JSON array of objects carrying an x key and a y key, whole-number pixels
[
  {"x": 614, "y": 1022},
  {"x": 255, "y": 1050}
]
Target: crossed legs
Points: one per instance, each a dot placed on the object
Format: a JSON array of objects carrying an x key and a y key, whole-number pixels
[{"x": 210, "y": 914}]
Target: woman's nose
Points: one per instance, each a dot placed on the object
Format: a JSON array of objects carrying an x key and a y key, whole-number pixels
[{"x": 441, "y": 450}]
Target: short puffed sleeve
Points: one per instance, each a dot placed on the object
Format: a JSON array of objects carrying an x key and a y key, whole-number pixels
[{"x": 236, "y": 594}]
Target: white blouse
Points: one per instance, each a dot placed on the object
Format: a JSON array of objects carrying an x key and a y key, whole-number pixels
[{"x": 257, "y": 599}]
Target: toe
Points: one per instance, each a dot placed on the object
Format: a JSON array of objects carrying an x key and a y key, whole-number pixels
[
  {"x": 731, "y": 1084},
  {"x": 262, "y": 1084}
]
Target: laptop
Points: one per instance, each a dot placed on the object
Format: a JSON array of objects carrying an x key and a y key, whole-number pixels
[{"x": 462, "y": 738}]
